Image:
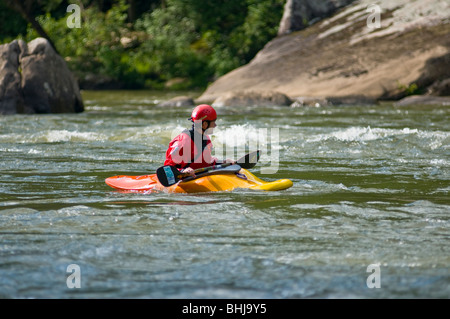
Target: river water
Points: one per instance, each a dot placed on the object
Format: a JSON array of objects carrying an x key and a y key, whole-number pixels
[{"x": 369, "y": 206}]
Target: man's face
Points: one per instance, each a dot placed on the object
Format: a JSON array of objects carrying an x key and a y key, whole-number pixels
[{"x": 212, "y": 125}]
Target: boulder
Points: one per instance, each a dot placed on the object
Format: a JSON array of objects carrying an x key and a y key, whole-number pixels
[
  {"x": 35, "y": 79},
  {"x": 253, "y": 98},
  {"x": 424, "y": 100},
  {"x": 178, "y": 101},
  {"x": 333, "y": 100},
  {"x": 302, "y": 101},
  {"x": 91, "y": 81},
  {"x": 440, "y": 88},
  {"x": 351, "y": 100},
  {"x": 436, "y": 76},
  {"x": 11, "y": 99}
]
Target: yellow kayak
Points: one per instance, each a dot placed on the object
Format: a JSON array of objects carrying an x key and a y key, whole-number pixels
[{"x": 210, "y": 182}]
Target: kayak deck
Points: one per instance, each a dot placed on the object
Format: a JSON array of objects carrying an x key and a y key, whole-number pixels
[{"x": 210, "y": 183}]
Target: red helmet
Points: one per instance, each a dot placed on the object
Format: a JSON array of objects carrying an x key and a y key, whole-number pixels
[{"x": 204, "y": 112}]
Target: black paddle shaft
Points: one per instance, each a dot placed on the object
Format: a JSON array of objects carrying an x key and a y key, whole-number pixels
[{"x": 170, "y": 175}]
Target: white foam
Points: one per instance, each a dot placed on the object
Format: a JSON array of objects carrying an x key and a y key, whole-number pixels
[
  {"x": 364, "y": 134},
  {"x": 241, "y": 135},
  {"x": 54, "y": 136},
  {"x": 51, "y": 136}
]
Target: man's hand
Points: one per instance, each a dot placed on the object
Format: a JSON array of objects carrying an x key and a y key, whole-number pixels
[
  {"x": 188, "y": 170},
  {"x": 229, "y": 161}
]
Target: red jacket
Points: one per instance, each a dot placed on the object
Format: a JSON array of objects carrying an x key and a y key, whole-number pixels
[{"x": 183, "y": 151}]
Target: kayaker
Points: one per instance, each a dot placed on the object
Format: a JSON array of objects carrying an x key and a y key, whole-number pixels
[{"x": 192, "y": 148}]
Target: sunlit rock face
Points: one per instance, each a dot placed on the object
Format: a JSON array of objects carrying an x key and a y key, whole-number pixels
[{"x": 372, "y": 49}]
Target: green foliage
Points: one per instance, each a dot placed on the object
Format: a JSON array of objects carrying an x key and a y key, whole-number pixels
[
  {"x": 50, "y": 5},
  {"x": 260, "y": 25},
  {"x": 192, "y": 40},
  {"x": 96, "y": 47},
  {"x": 172, "y": 49},
  {"x": 411, "y": 89},
  {"x": 12, "y": 25}
]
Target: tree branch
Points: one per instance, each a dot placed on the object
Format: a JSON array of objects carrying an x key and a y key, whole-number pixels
[{"x": 24, "y": 8}]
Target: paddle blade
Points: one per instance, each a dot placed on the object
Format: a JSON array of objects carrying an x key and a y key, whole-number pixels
[
  {"x": 167, "y": 175},
  {"x": 249, "y": 161}
]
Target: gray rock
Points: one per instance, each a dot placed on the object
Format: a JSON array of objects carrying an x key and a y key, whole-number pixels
[
  {"x": 310, "y": 101},
  {"x": 90, "y": 81},
  {"x": 35, "y": 79},
  {"x": 440, "y": 88},
  {"x": 11, "y": 98},
  {"x": 351, "y": 100},
  {"x": 253, "y": 98},
  {"x": 423, "y": 100},
  {"x": 178, "y": 101},
  {"x": 436, "y": 76}
]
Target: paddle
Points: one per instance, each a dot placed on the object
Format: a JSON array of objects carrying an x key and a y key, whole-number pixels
[{"x": 169, "y": 175}]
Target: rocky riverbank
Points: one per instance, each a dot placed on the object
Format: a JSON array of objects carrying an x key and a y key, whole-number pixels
[{"x": 341, "y": 58}]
